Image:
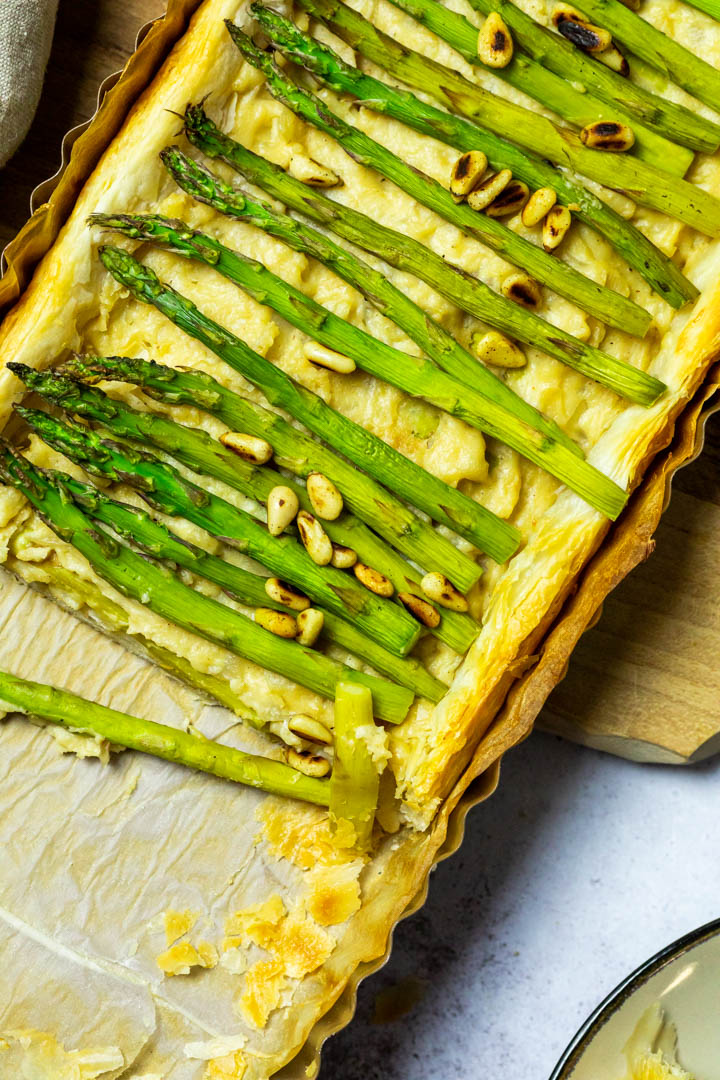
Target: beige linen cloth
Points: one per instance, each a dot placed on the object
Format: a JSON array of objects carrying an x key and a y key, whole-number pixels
[{"x": 26, "y": 29}]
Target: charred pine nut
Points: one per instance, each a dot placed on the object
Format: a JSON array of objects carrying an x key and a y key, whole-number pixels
[
  {"x": 312, "y": 173},
  {"x": 522, "y": 289},
  {"x": 373, "y": 580},
  {"x": 614, "y": 59},
  {"x": 511, "y": 199},
  {"x": 277, "y": 622},
  {"x": 565, "y": 13},
  {"x": 284, "y": 594},
  {"x": 307, "y": 762},
  {"x": 305, "y": 727},
  {"x": 555, "y": 227},
  {"x": 538, "y": 205},
  {"x": 310, "y": 623},
  {"x": 467, "y": 171},
  {"x": 495, "y": 44},
  {"x": 608, "y": 135},
  {"x": 282, "y": 506},
  {"x": 328, "y": 358},
  {"x": 343, "y": 557},
  {"x": 316, "y": 540},
  {"x": 484, "y": 193},
  {"x": 327, "y": 502},
  {"x": 258, "y": 451},
  {"x": 420, "y": 609},
  {"x": 494, "y": 348},
  {"x": 589, "y": 38},
  {"x": 442, "y": 591}
]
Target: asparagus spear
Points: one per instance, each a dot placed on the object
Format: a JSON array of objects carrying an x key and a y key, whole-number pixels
[
  {"x": 355, "y": 781},
  {"x": 205, "y": 455},
  {"x": 659, "y": 50},
  {"x": 156, "y": 588},
  {"x": 294, "y": 451},
  {"x": 648, "y": 186},
  {"x": 632, "y": 104},
  {"x": 409, "y": 255},
  {"x": 77, "y": 714},
  {"x": 412, "y": 483},
  {"x": 437, "y": 343},
  {"x": 284, "y": 556},
  {"x": 657, "y": 268},
  {"x": 415, "y": 375},
  {"x": 596, "y": 299},
  {"x": 710, "y": 7},
  {"x": 142, "y": 530}
]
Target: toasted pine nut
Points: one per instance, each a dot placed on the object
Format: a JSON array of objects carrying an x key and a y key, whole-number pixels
[
  {"x": 555, "y": 227},
  {"x": 308, "y": 763},
  {"x": 277, "y": 622},
  {"x": 467, "y": 171},
  {"x": 328, "y": 358},
  {"x": 608, "y": 135},
  {"x": 442, "y": 591},
  {"x": 522, "y": 289},
  {"x": 494, "y": 348},
  {"x": 420, "y": 609},
  {"x": 316, "y": 540},
  {"x": 484, "y": 193},
  {"x": 284, "y": 594},
  {"x": 327, "y": 502},
  {"x": 575, "y": 27},
  {"x": 495, "y": 43},
  {"x": 634, "y": 5},
  {"x": 615, "y": 60},
  {"x": 538, "y": 205},
  {"x": 343, "y": 557},
  {"x": 311, "y": 172},
  {"x": 282, "y": 506},
  {"x": 310, "y": 623},
  {"x": 305, "y": 727},
  {"x": 373, "y": 580},
  {"x": 510, "y": 200},
  {"x": 258, "y": 451}
]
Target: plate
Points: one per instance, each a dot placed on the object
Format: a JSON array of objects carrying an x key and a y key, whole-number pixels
[{"x": 684, "y": 980}]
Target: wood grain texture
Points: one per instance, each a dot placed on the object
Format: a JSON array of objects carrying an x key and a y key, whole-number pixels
[{"x": 651, "y": 664}]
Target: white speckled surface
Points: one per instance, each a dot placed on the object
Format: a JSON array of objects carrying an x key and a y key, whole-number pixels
[{"x": 577, "y": 870}]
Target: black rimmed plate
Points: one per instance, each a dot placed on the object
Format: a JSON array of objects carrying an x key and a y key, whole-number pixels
[{"x": 684, "y": 980}]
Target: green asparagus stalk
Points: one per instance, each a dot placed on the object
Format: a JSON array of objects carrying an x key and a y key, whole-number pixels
[
  {"x": 659, "y": 50},
  {"x": 646, "y": 185},
  {"x": 710, "y": 7},
  {"x": 418, "y": 487},
  {"x": 652, "y": 264},
  {"x": 598, "y": 300},
  {"x": 198, "y": 451},
  {"x": 415, "y": 375},
  {"x": 633, "y": 105},
  {"x": 139, "y": 528},
  {"x": 293, "y": 450},
  {"x": 156, "y": 588},
  {"x": 436, "y": 342},
  {"x": 355, "y": 780},
  {"x": 194, "y": 752},
  {"x": 284, "y": 556},
  {"x": 407, "y": 254}
]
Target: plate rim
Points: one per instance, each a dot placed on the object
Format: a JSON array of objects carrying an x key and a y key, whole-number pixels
[{"x": 625, "y": 989}]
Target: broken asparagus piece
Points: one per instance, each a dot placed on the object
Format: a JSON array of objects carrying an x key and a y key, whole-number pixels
[
  {"x": 391, "y": 468},
  {"x": 156, "y": 588},
  {"x": 355, "y": 782},
  {"x": 640, "y": 253},
  {"x": 596, "y": 299},
  {"x": 172, "y": 744},
  {"x": 412, "y": 374}
]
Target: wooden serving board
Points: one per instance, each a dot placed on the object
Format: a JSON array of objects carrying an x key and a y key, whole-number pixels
[{"x": 645, "y": 681}]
